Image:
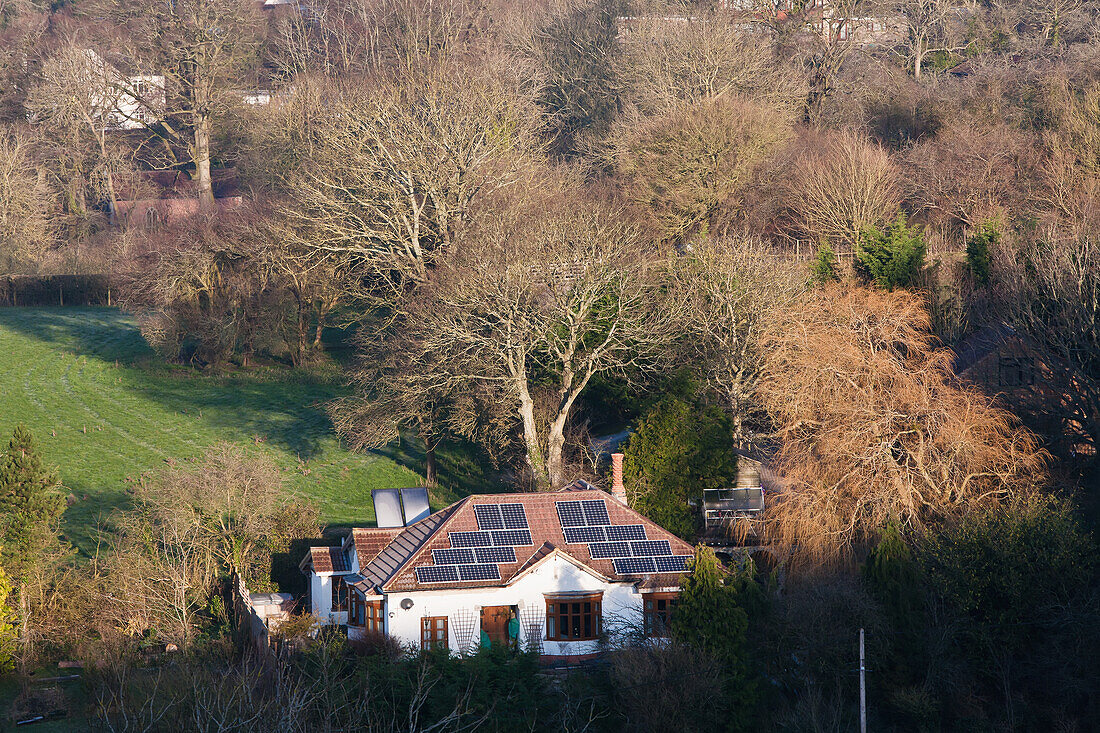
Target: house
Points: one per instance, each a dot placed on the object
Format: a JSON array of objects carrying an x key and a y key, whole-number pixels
[
  {"x": 1047, "y": 393},
  {"x": 167, "y": 197},
  {"x": 548, "y": 571}
]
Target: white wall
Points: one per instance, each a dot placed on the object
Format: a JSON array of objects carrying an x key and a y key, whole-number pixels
[
  {"x": 555, "y": 575},
  {"x": 320, "y": 593}
]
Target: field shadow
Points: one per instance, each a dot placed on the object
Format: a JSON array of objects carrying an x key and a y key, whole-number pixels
[{"x": 103, "y": 332}]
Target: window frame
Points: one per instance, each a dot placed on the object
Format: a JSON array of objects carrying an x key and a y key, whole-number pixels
[
  {"x": 581, "y": 613},
  {"x": 657, "y": 622},
  {"x": 1015, "y": 371},
  {"x": 429, "y": 626}
]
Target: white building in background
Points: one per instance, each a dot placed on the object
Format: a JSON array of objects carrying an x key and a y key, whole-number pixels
[{"x": 546, "y": 571}]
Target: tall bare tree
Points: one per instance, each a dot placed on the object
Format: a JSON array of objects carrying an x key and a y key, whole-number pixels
[
  {"x": 24, "y": 209},
  {"x": 538, "y": 301},
  {"x": 393, "y": 170},
  {"x": 204, "y": 49},
  {"x": 931, "y": 26}
]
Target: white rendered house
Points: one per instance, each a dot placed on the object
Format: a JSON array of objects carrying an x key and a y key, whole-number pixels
[{"x": 545, "y": 571}]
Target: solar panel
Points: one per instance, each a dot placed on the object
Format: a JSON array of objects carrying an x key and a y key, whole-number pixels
[
  {"x": 488, "y": 517},
  {"x": 437, "y": 574},
  {"x": 650, "y": 548},
  {"x": 471, "y": 539},
  {"x": 387, "y": 507},
  {"x": 626, "y": 533},
  {"x": 630, "y": 565},
  {"x": 495, "y": 554},
  {"x": 453, "y": 557},
  {"x": 674, "y": 564},
  {"x": 514, "y": 516},
  {"x": 576, "y": 535},
  {"x": 415, "y": 503},
  {"x": 478, "y": 572},
  {"x": 512, "y": 537},
  {"x": 595, "y": 512},
  {"x": 570, "y": 514},
  {"x": 609, "y": 549}
]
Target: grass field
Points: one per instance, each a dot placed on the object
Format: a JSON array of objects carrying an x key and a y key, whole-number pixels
[{"x": 103, "y": 408}]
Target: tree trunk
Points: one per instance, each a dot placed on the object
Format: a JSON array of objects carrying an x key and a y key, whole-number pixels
[
  {"x": 202, "y": 164},
  {"x": 300, "y": 348},
  {"x": 431, "y": 472},
  {"x": 531, "y": 437},
  {"x": 555, "y": 447},
  {"x": 320, "y": 326}
]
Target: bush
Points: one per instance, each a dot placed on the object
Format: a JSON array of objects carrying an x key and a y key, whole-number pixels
[
  {"x": 825, "y": 268},
  {"x": 891, "y": 257},
  {"x": 978, "y": 249}
]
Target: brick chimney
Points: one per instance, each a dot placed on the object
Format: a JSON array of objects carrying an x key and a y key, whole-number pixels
[{"x": 617, "y": 489}]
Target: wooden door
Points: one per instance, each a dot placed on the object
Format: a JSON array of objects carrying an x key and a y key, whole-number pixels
[{"x": 494, "y": 624}]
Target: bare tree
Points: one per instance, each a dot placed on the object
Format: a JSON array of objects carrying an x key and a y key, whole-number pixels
[
  {"x": 706, "y": 55},
  {"x": 204, "y": 49},
  {"x": 24, "y": 208},
  {"x": 394, "y": 169},
  {"x": 841, "y": 184},
  {"x": 77, "y": 89},
  {"x": 539, "y": 300},
  {"x": 932, "y": 26},
  {"x": 734, "y": 289},
  {"x": 874, "y": 428},
  {"x": 683, "y": 168}
]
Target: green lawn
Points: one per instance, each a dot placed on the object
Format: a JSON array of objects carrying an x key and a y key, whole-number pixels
[{"x": 105, "y": 409}]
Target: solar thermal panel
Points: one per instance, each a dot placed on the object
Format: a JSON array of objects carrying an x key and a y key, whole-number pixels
[
  {"x": 577, "y": 535},
  {"x": 650, "y": 548},
  {"x": 437, "y": 574},
  {"x": 514, "y": 516},
  {"x": 595, "y": 512},
  {"x": 512, "y": 537},
  {"x": 571, "y": 514},
  {"x": 674, "y": 564},
  {"x": 488, "y": 517},
  {"x": 609, "y": 549},
  {"x": 462, "y": 556},
  {"x": 471, "y": 539},
  {"x": 626, "y": 533},
  {"x": 630, "y": 565},
  {"x": 495, "y": 554},
  {"x": 478, "y": 572}
]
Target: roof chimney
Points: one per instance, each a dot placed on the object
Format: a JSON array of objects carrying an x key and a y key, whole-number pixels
[{"x": 617, "y": 489}]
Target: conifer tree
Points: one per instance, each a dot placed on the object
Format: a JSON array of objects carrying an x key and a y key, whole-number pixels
[
  {"x": 825, "y": 268},
  {"x": 30, "y": 506}
]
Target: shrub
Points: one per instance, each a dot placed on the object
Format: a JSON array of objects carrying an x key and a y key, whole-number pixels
[
  {"x": 978, "y": 249},
  {"x": 891, "y": 257}
]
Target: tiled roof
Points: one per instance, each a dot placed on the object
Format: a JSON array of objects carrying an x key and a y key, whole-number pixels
[
  {"x": 403, "y": 546},
  {"x": 328, "y": 560},
  {"x": 369, "y": 541},
  {"x": 545, "y": 527}
]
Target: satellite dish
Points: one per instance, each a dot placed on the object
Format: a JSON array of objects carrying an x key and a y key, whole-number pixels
[{"x": 406, "y": 603}]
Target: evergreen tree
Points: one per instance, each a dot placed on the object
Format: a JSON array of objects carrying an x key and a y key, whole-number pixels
[
  {"x": 678, "y": 450},
  {"x": 709, "y": 616},
  {"x": 825, "y": 268},
  {"x": 892, "y": 257},
  {"x": 978, "y": 250},
  {"x": 30, "y": 506}
]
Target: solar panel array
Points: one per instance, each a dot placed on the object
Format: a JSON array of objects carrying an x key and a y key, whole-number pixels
[
  {"x": 501, "y": 528},
  {"x": 628, "y": 547}
]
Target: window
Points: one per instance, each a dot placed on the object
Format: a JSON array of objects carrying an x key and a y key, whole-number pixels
[
  {"x": 657, "y": 613},
  {"x": 574, "y": 618},
  {"x": 1016, "y": 371},
  {"x": 433, "y": 632},
  {"x": 372, "y": 616},
  {"x": 339, "y": 595}
]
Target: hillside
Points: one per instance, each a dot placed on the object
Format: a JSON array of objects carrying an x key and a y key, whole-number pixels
[{"x": 104, "y": 409}]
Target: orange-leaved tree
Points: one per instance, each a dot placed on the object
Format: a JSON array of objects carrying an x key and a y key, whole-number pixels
[{"x": 874, "y": 428}]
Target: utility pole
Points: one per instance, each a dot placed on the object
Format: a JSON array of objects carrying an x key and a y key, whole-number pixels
[{"x": 862, "y": 687}]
